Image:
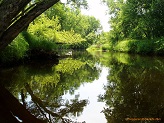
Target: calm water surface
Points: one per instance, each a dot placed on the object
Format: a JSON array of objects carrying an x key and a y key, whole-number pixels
[{"x": 92, "y": 88}]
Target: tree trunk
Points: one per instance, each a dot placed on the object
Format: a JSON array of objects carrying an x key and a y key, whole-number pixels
[
  {"x": 9, "y": 9},
  {"x": 12, "y": 31},
  {"x": 10, "y": 107}
]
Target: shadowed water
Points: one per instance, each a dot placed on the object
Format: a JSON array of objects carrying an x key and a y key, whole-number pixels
[{"x": 92, "y": 88}]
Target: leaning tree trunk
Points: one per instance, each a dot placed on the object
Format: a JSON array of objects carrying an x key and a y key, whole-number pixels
[
  {"x": 12, "y": 21},
  {"x": 11, "y": 108}
]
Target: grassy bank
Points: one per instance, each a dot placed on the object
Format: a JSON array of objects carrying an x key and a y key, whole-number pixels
[
  {"x": 155, "y": 46},
  {"x": 27, "y": 46}
]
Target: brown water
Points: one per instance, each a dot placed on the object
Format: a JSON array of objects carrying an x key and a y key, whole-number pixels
[{"x": 97, "y": 88}]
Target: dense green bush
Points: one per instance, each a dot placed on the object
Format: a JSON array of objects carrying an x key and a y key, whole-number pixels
[
  {"x": 39, "y": 43},
  {"x": 48, "y": 33},
  {"x": 155, "y": 46},
  {"x": 145, "y": 47},
  {"x": 25, "y": 42},
  {"x": 135, "y": 46},
  {"x": 94, "y": 47},
  {"x": 46, "y": 28},
  {"x": 16, "y": 50},
  {"x": 106, "y": 47},
  {"x": 159, "y": 46}
]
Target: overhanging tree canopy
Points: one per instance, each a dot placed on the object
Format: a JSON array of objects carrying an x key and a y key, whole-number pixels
[{"x": 15, "y": 16}]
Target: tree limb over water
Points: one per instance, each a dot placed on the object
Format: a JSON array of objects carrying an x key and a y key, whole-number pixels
[
  {"x": 11, "y": 9},
  {"x": 16, "y": 15}
]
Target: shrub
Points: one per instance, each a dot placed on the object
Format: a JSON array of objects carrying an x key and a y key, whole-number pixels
[
  {"x": 145, "y": 47},
  {"x": 135, "y": 46},
  {"x": 159, "y": 46},
  {"x": 106, "y": 47},
  {"x": 39, "y": 43},
  {"x": 122, "y": 46},
  {"x": 16, "y": 50}
]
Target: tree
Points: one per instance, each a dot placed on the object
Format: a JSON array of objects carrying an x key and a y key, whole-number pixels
[
  {"x": 12, "y": 109},
  {"x": 136, "y": 19},
  {"x": 17, "y": 15},
  {"x": 72, "y": 19},
  {"x": 132, "y": 82}
]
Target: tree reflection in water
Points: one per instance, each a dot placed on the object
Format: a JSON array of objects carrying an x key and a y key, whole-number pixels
[
  {"x": 37, "y": 110},
  {"x": 53, "y": 112},
  {"x": 11, "y": 111},
  {"x": 39, "y": 87},
  {"x": 135, "y": 89}
]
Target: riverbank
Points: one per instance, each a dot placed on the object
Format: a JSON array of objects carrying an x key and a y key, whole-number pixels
[
  {"x": 154, "y": 46},
  {"x": 27, "y": 47}
]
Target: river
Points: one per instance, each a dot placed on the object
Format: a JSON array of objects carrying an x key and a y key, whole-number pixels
[{"x": 99, "y": 87}]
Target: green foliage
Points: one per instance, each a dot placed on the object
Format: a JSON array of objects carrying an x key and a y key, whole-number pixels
[
  {"x": 69, "y": 28},
  {"x": 103, "y": 38},
  {"x": 122, "y": 46},
  {"x": 94, "y": 47},
  {"x": 73, "y": 20},
  {"x": 144, "y": 47},
  {"x": 16, "y": 50},
  {"x": 44, "y": 27},
  {"x": 91, "y": 38},
  {"x": 69, "y": 66},
  {"x": 131, "y": 83},
  {"x": 135, "y": 46},
  {"x": 69, "y": 37},
  {"x": 154, "y": 46},
  {"x": 133, "y": 19},
  {"x": 39, "y": 43},
  {"x": 43, "y": 33},
  {"x": 106, "y": 47},
  {"x": 159, "y": 46},
  {"x": 16, "y": 20},
  {"x": 59, "y": 25},
  {"x": 42, "y": 44},
  {"x": 102, "y": 42}
]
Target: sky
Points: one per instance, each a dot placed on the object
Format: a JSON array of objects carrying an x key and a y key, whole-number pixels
[
  {"x": 92, "y": 112},
  {"x": 98, "y": 10}
]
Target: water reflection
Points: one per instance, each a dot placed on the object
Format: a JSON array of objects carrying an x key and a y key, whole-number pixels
[
  {"x": 117, "y": 85},
  {"x": 135, "y": 88},
  {"x": 41, "y": 90},
  {"x": 54, "y": 111},
  {"x": 93, "y": 112}
]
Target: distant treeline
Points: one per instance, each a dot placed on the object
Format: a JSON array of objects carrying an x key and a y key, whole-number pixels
[{"x": 136, "y": 26}]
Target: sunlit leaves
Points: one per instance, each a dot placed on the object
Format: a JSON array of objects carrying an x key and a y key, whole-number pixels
[
  {"x": 136, "y": 19},
  {"x": 72, "y": 21},
  {"x": 45, "y": 27},
  {"x": 78, "y": 3},
  {"x": 66, "y": 26},
  {"x": 69, "y": 37}
]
